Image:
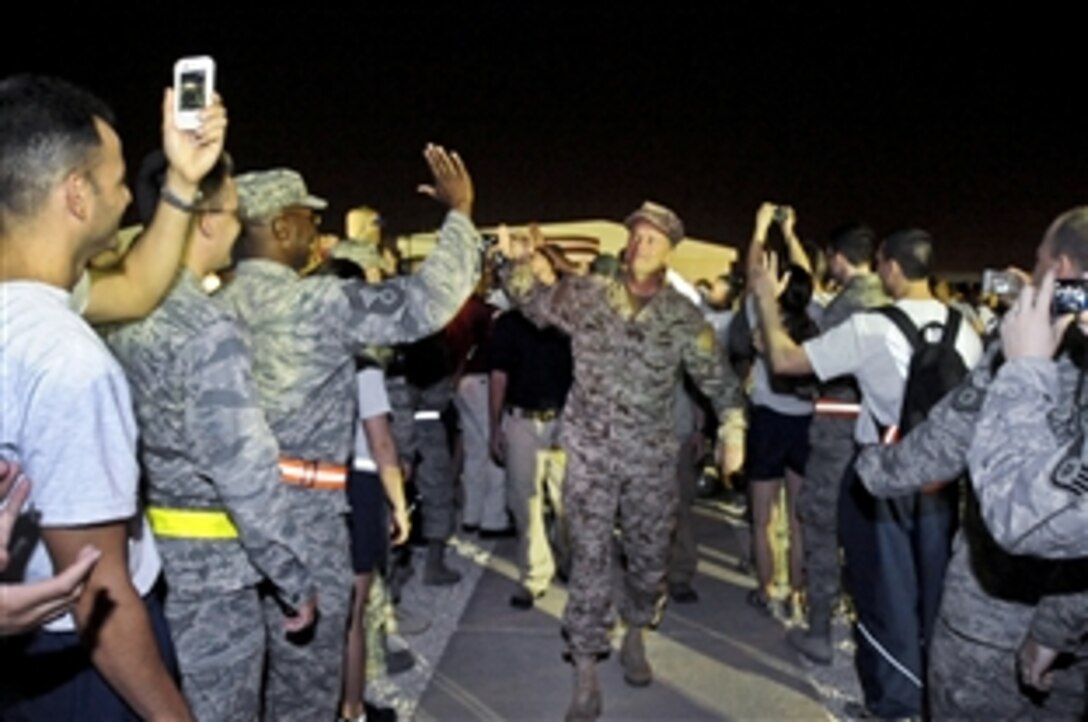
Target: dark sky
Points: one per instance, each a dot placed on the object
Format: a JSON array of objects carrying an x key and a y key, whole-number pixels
[{"x": 964, "y": 124}]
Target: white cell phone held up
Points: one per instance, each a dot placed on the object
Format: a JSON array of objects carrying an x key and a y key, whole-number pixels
[{"x": 194, "y": 87}]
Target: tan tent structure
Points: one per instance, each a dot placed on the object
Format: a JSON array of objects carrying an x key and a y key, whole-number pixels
[{"x": 582, "y": 241}]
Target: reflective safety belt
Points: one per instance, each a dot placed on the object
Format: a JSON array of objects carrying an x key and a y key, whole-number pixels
[
  {"x": 312, "y": 474},
  {"x": 427, "y": 416},
  {"x": 834, "y": 407},
  {"x": 191, "y": 523},
  {"x": 364, "y": 465}
]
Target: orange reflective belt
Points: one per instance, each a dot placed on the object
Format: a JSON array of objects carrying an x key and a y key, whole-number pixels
[
  {"x": 834, "y": 407},
  {"x": 312, "y": 474}
]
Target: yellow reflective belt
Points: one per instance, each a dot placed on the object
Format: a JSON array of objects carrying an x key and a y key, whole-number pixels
[{"x": 191, "y": 523}]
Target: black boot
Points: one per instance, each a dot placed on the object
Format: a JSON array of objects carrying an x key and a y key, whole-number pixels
[
  {"x": 436, "y": 573},
  {"x": 814, "y": 643}
]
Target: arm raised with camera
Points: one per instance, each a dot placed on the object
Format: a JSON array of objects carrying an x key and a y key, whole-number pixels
[
  {"x": 148, "y": 269},
  {"x": 786, "y": 356},
  {"x": 1027, "y": 473}
]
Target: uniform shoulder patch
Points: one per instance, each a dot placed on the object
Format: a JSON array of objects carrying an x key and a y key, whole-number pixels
[
  {"x": 1070, "y": 475},
  {"x": 705, "y": 340}
]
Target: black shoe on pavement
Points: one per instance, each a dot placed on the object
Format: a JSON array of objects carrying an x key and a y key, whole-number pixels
[
  {"x": 379, "y": 714},
  {"x": 756, "y": 598},
  {"x": 683, "y": 593},
  {"x": 504, "y": 533},
  {"x": 470, "y": 528},
  {"x": 398, "y": 661},
  {"x": 524, "y": 599}
]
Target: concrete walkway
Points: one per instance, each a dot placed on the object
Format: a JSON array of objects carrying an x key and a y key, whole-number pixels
[{"x": 717, "y": 659}]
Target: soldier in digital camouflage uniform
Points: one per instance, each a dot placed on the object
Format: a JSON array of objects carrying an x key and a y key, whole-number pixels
[
  {"x": 992, "y": 599},
  {"x": 1029, "y": 465},
  {"x": 831, "y": 443},
  {"x": 996, "y": 597},
  {"x": 305, "y": 334},
  {"x": 423, "y": 392},
  {"x": 631, "y": 337},
  {"x": 207, "y": 450}
]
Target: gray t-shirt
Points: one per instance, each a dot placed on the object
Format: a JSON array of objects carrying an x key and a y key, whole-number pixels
[{"x": 67, "y": 419}]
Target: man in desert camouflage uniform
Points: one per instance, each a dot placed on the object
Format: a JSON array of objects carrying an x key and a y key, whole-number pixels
[
  {"x": 831, "y": 442},
  {"x": 631, "y": 337},
  {"x": 220, "y": 516},
  {"x": 996, "y": 599},
  {"x": 305, "y": 334}
]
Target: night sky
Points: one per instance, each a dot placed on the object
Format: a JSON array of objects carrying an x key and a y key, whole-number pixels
[{"x": 963, "y": 124}]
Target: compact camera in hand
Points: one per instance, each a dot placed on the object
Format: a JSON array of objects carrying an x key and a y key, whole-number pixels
[
  {"x": 1070, "y": 296},
  {"x": 194, "y": 88},
  {"x": 1000, "y": 283}
]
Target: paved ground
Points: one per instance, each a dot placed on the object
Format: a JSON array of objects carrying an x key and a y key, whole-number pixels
[{"x": 716, "y": 659}]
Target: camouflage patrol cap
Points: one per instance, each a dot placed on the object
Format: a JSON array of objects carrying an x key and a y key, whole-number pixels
[
  {"x": 262, "y": 194},
  {"x": 661, "y": 218}
]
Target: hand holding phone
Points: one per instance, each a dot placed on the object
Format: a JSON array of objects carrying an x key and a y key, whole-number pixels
[{"x": 194, "y": 88}]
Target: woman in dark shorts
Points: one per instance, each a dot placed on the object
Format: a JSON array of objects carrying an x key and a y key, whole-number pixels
[{"x": 777, "y": 446}]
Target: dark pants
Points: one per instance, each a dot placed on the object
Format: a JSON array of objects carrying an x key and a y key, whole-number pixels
[
  {"x": 896, "y": 553},
  {"x": 49, "y": 676}
]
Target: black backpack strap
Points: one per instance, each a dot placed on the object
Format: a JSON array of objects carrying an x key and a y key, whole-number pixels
[
  {"x": 951, "y": 328},
  {"x": 903, "y": 322}
]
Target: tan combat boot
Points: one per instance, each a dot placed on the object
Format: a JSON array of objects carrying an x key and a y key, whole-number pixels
[
  {"x": 636, "y": 670},
  {"x": 585, "y": 706}
]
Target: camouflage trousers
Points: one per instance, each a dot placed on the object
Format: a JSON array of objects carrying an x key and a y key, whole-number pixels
[
  {"x": 972, "y": 680},
  {"x": 434, "y": 472},
  {"x": 305, "y": 670},
  {"x": 831, "y": 450},
  {"x": 604, "y": 484},
  {"x": 220, "y": 643}
]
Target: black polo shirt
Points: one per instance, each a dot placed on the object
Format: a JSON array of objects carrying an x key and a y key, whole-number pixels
[{"x": 537, "y": 362}]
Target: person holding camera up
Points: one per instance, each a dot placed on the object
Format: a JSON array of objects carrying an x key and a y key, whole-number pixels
[
  {"x": 66, "y": 409},
  {"x": 1005, "y": 615},
  {"x": 896, "y": 550}
]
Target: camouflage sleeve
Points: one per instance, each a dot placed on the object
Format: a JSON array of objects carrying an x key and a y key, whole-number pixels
[
  {"x": 408, "y": 308},
  {"x": 714, "y": 376},
  {"x": 236, "y": 451},
  {"x": 1030, "y": 486},
  {"x": 935, "y": 450},
  {"x": 559, "y": 305},
  {"x": 1061, "y": 621}
]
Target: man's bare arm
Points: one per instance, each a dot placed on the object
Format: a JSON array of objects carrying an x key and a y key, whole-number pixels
[
  {"x": 113, "y": 622},
  {"x": 148, "y": 269},
  {"x": 784, "y": 354}
]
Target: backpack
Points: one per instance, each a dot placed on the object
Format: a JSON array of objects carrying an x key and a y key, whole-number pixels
[{"x": 935, "y": 366}]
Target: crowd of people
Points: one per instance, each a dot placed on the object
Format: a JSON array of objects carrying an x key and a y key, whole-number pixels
[{"x": 215, "y": 447}]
